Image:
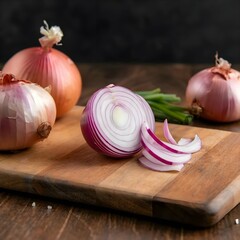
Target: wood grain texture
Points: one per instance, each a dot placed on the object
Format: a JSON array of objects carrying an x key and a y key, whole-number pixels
[
  {"x": 65, "y": 167},
  {"x": 69, "y": 220}
]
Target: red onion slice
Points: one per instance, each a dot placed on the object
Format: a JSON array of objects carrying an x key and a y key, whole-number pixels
[
  {"x": 191, "y": 147},
  {"x": 112, "y": 119},
  {"x": 167, "y": 133},
  {"x": 184, "y": 141},
  {"x": 151, "y": 158},
  {"x": 169, "y": 137},
  {"x": 157, "y": 167},
  {"x": 162, "y": 156}
]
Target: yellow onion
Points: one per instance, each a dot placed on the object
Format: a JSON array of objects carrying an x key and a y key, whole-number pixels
[
  {"x": 47, "y": 66},
  {"x": 214, "y": 93},
  {"x": 27, "y": 113}
]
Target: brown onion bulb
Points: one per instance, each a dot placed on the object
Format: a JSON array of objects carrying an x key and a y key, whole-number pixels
[
  {"x": 47, "y": 66},
  {"x": 27, "y": 113},
  {"x": 214, "y": 93}
]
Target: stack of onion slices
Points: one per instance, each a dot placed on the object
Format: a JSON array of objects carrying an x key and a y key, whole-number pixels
[
  {"x": 119, "y": 123},
  {"x": 159, "y": 155}
]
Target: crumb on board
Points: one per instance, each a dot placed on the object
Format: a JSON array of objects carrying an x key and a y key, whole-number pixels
[
  {"x": 49, "y": 207},
  {"x": 237, "y": 221}
]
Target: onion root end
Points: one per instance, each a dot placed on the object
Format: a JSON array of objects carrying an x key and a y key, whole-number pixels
[{"x": 44, "y": 130}]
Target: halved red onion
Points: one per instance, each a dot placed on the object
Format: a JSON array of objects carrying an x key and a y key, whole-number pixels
[{"x": 112, "y": 119}]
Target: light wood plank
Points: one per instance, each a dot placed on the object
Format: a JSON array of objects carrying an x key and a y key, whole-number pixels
[{"x": 64, "y": 166}]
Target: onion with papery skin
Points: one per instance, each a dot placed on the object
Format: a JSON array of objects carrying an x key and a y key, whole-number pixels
[
  {"x": 27, "y": 113},
  {"x": 112, "y": 119},
  {"x": 214, "y": 93},
  {"x": 47, "y": 66}
]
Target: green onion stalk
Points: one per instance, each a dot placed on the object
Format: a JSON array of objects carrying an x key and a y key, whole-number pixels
[{"x": 167, "y": 106}]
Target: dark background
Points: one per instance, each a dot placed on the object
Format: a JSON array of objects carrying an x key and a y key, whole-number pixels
[{"x": 158, "y": 31}]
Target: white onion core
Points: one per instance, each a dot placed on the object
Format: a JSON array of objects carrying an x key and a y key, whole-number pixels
[{"x": 120, "y": 117}]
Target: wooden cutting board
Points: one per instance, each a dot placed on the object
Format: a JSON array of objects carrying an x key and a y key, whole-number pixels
[{"x": 64, "y": 166}]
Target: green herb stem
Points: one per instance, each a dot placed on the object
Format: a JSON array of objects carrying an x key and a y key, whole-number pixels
[
  {"x": 157, "y": 90},
  {"x": 162, "y": 105},
  {"x": 161, "y": 97}
]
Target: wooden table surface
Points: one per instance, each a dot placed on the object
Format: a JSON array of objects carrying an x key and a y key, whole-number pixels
[{"x": 67, "y": 220}]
